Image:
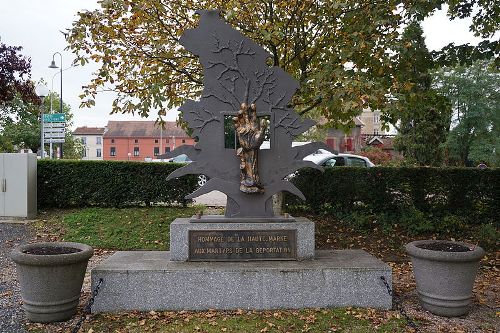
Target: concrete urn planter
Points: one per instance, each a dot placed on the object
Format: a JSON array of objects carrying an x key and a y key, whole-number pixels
[
  {"x": 51, "y": 277},
  {"x": 445, "y": 272}
]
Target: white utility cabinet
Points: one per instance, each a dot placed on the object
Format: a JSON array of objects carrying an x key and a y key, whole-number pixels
[{"x": 18, "y": 176}]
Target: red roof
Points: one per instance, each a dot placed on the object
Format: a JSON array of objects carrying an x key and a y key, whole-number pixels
[{"x": 142, "y": 129}]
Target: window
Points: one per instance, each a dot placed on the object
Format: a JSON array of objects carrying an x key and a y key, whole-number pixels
[
  {"x": 376, "y": 119},
  {"x": 84, "y": 152},
  {"x": 183, "y": 141},
  {"x": 156, "y": 151},
  {"x": 84, "y": 140},
  {"x": 136, "y": 141},
  {"x": 339, "y": 161},
  {"x": 356, "y": 162},
  {"x": 329, "y": 163},
  {"x": 166, "y": 140},
  {"x": 98, "y": 140},
  {"x": 98, "y": 152},
  {"x": 112, "y": 151},
  {"x": 136, "y": 151},
  {"x": 112, "y": 140},
  {"x": 167, "y": 149},
  {"x": 156, "y": 141},
  {"x": 375, "y": 131}
]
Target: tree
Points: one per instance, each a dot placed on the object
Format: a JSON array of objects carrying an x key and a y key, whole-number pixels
[
  {"x": 15, "y": 73},
  {"x": 418, "y": 112},
  {"x": 485, "y": 23},
  {"x": 475, "y": 97},
  {"x": 337, "y": 50},
  {"x": 20, "y": 126},
  {"x": 136, "y": 45}
]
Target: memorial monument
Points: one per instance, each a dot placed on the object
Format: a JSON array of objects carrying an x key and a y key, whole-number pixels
[{"x": 272, "y": 259}]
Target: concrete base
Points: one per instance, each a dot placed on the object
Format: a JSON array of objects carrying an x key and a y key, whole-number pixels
[{"x": 149, "y": 280}]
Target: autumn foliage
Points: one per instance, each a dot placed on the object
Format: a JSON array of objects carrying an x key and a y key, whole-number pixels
[
  {"x": 376, "y": 155},
  {"x": 15, "y": 74}
]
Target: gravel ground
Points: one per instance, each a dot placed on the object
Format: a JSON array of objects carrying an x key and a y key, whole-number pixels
[
  {"x": 11, "y": 314},
  {"x": 12, "y": 318}
]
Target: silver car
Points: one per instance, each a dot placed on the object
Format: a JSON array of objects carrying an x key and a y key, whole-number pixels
[{"x": 327, "y": 159}]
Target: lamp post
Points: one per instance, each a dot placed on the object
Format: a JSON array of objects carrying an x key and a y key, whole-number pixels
[
  {"x": 41, "y": 91},
  {"x": 53, "y": 65}
]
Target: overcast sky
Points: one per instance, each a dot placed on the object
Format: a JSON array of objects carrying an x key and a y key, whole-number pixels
[{"x": 35, "y": 25}]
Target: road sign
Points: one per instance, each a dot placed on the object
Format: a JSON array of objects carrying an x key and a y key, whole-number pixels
[
  {"x": 54, "y": 135},
  {"x": 53, "y": 140},
  {"x": 54, "y": 118},
  {"x": 54, "y": 129},
  {"x": 54, "y": 125}
]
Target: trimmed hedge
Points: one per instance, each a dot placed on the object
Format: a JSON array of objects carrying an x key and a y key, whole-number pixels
[
  {"x": 109, "y": 183},
  {"x": 469, "y": 193}
]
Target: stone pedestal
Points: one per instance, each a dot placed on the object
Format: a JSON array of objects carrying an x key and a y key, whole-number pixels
[
  {"x": 150, "y": 280},
  {"x": 216, "y": 238}
]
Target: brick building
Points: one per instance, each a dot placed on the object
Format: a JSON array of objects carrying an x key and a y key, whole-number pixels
[
  {"x": 91, "y": 138},
  {"x": 138, "y": 140}
]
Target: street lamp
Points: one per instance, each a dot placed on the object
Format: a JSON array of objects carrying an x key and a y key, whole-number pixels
[
  {"x": 41, "y": 91},
  {"x": 53, "y": 65}
]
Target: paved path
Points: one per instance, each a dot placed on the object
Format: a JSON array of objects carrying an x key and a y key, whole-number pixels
[
  {"x": 11, "y": 314},
  {"x": 212, "y": 199}
]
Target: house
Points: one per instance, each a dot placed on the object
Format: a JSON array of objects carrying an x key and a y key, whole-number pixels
[
  {"x": 141, "y": 140},
  {"x": 342, "y": 142},
  {"x": 384, "y": 142},
  {"x": 91, "y": 137},
  {"x": 371, "y": 122}
]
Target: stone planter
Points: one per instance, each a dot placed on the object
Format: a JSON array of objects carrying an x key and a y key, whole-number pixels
[
  {"x": 444, "y": 278},
  {"x": 51, "y": 277}
]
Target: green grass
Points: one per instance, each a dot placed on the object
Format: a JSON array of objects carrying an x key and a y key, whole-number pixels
[
  {"x": 308, "y": 320},
  {"x": 122, "y": 228}
]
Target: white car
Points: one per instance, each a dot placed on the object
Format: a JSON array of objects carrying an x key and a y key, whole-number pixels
[{"x": 327, "y": 159}]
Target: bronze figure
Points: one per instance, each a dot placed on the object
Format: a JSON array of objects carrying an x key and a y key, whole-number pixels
[{"x": 250, "y": 132}]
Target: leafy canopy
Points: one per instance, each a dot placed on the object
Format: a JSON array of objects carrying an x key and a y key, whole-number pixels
[
  {"x": 15, "y": 73},
  {"x": 419, "y": 113},
  {"x": 475, "y": 97},
  {"x": 342, "y": 52},
  {"x": 20, "y": 126},
  {"x": 336, "y": 49}
]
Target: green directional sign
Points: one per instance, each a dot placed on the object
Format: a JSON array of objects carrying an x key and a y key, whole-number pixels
[{"x": 54, "y": 118}]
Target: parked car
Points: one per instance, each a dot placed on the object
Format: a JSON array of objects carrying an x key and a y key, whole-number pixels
[
  {"x": 327, "y": 159},
  {"x": 183, "y": 158}
]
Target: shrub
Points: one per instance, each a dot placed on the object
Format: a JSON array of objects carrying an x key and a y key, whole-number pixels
[
  {"x": 429, "y": 192},
  {"x": 109, "y": 183},
  {"x": 376, "y": 155},
  {"x": 488, "y": 237}
]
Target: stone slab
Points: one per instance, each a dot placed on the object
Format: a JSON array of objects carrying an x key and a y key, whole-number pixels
[
  {"x": 223, "y": 219},
  {"x": 149, "y": 280},
  {"x": 179, "y": 233}
]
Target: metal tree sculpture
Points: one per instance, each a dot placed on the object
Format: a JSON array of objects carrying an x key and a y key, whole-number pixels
[{"x": 239, "y": 84}]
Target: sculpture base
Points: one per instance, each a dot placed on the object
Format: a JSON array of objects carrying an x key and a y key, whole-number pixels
[
  {"x": 217, "y": 238},
  {"x": 149, "y": 280}
]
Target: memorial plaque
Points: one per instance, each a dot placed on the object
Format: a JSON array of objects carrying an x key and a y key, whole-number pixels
[{"x": 229, "y": 245}]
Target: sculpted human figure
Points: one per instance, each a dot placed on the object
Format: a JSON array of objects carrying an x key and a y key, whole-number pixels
[{"x": 250, "y": 132}]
